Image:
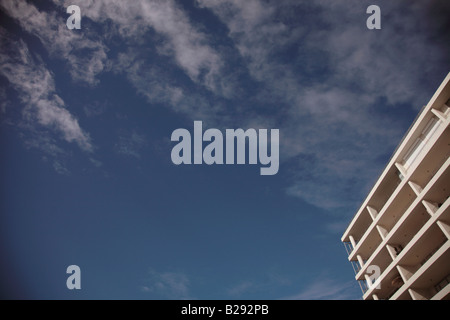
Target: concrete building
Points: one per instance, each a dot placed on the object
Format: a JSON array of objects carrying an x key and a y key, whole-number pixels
[{"x": 399, "y": 240}]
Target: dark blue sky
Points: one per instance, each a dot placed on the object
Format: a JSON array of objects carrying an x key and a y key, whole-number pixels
[{"x": 86, "y": 118}]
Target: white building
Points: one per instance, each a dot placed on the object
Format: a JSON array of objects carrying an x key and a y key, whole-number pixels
[{"x": 399, "y": 240}]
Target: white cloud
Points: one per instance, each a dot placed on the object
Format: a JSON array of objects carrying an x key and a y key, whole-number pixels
[
  {"x": 257, "y": 35},
  {"x": 36, "y": 89},
  {"x": 170, "y": 285},
  {"x": 171, "y": 36},
  {"x": 325, "y": 289},
  {"x": 155, "y": 84},
  {"x": 86, "y": 57},
  {"x": 380, "y": 63},
  {"x": 130, "y": 144},
  {"x": 316, "y": 64},
  {"x": 364, "y": 68},
  {"x": 248, "y": 287},
  {"x": 241, "y": 288},
  {"x": 182, "y": 41},
  {"x": 60, "y": 167},
  {"x": 335, "y": 121}
]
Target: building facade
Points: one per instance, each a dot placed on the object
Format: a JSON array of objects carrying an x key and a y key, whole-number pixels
[{"x": 398, "y": 242}]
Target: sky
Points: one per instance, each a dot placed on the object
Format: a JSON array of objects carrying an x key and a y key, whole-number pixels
[{"x": 87, "y": 116}]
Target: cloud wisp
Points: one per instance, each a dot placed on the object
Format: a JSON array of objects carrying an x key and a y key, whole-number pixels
[
  {"x": 324, "y": 289},
  {"x": 85, "y": 57},
  {"x": 131, "y": 144},
  {"x": 327, "y": 93},
  {"x": 311, "y": 69},
  {"x": 167, "y": 285},
  {"x": 36, "y": 88}
]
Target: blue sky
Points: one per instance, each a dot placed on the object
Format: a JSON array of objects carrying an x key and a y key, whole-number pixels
[{"x": 86, "y": 118}]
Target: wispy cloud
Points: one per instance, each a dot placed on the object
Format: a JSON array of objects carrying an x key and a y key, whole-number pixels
[
  {"x": 52, "y": 153},
  {"x": 241, "y": 288},
  {"x": 328, "y": 104},
  {"x": 325, "y": 289},
  {"x": 36, "y": 88},
  {"x": 176, "y": 49},
  {"x": 251, "y": 287},
  {"x": 168, "y": 285},
  {"x": 46, "y": 120},
  {"x": 160, "y": 87},
  {"x": 312, "y": 69},
  {"x": 178, "y": 38},
  {"x": 85, "y": 57},
  {"x": 130, "y": 144}
]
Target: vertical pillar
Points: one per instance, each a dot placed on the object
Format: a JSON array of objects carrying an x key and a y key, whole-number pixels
[
  {"x": 352, "y": 241},
  {"x": 368, "y": 280},
  {"x": 360, "y": 260}
]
